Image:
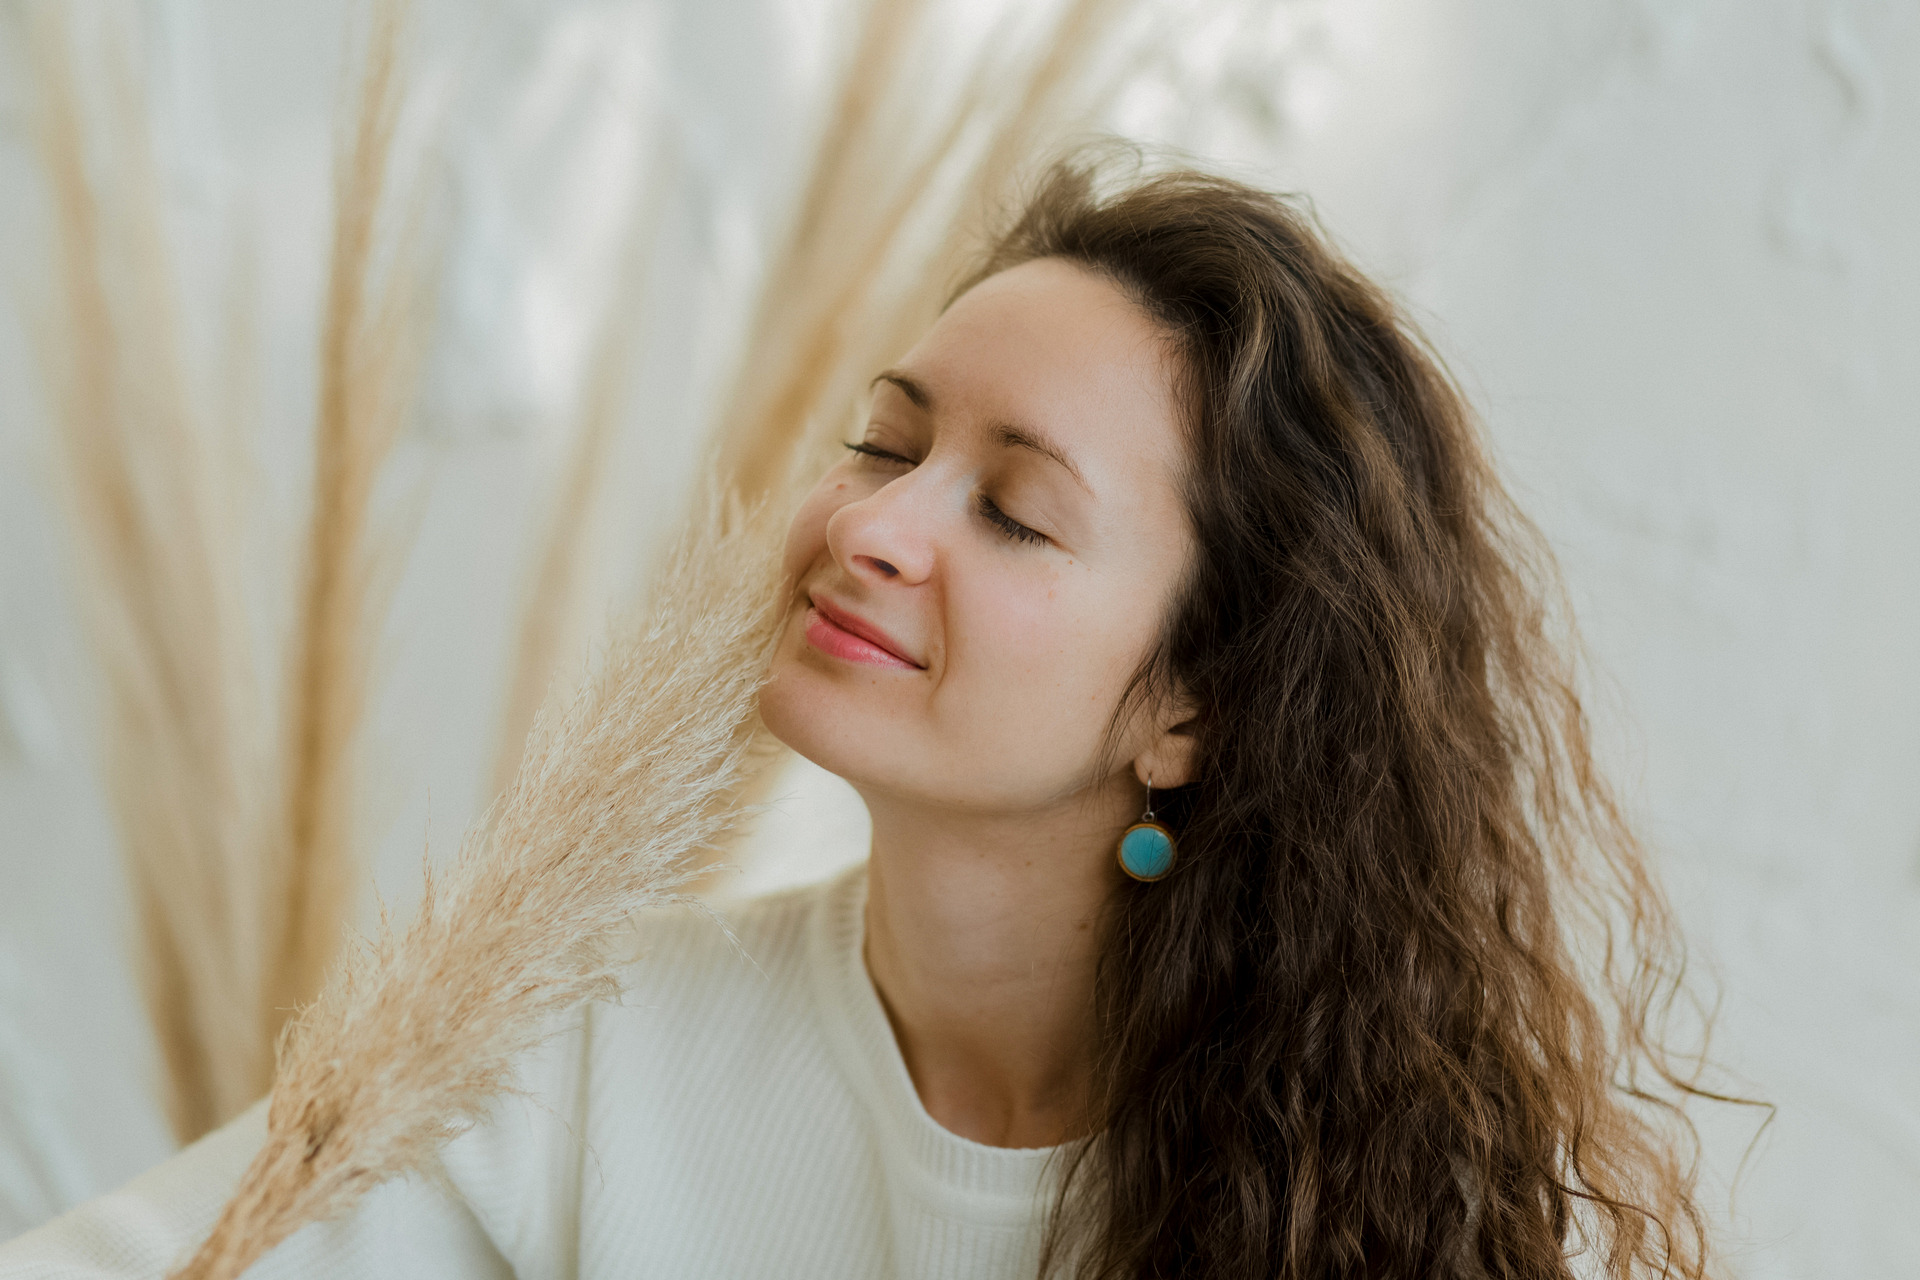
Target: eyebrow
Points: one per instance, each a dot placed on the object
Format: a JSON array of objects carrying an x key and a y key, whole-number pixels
[
  {"x": 921, "y": 397},
  {"x": 1016, "y": 436},
  {"x": 1009, "y": 434}
]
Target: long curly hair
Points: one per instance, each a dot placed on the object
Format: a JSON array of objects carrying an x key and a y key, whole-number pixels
[{"x": 1398, "y": 1010}]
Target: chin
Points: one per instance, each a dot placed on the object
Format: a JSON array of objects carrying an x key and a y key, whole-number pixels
[
  {"x": 828, "y": 721},
  {"x": 805, "y": 712}
]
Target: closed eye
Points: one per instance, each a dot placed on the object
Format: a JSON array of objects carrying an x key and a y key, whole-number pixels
[
  {"x": 1006, "y": 524},
  {"x": 878, "y": 454},
  {"x": 990, "y": 510}
]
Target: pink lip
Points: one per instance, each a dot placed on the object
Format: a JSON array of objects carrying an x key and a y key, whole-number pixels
[{"x": 845, "y": 635}]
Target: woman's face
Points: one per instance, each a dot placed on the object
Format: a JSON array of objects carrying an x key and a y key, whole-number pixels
[{"x": 977, "y": 584}]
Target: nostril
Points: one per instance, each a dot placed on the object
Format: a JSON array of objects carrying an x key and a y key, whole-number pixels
[{"x": 885, "y": 568}]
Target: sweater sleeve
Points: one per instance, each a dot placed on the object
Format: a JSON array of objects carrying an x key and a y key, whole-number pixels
[
  {"x": 504, "y": 1204},
  {"x": 406, "y": 1228}
]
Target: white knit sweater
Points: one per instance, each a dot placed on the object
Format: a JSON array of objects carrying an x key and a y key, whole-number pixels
[{"x": 743, "y": 1112}]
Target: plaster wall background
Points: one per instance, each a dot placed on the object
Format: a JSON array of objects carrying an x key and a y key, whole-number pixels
[{"x": 1668, "y": 246}]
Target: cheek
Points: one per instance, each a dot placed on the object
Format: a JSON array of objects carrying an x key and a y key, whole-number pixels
[
  {"x": 1044, "y": 668},
  {"x": 807, "y": 535}
]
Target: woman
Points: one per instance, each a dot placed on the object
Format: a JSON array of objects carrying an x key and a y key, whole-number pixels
[{"x": 1233, "y": 827}]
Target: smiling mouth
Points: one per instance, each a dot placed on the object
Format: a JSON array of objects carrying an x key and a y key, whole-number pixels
[{"x": 841, "y": 635}]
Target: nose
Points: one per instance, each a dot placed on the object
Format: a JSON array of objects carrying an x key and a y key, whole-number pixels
[{"x": 885, "y": 536}]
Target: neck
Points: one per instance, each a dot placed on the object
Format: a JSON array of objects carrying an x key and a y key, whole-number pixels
[{"x": 982, "y": 939}]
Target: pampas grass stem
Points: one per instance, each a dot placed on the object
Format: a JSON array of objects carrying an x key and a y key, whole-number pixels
[
  {"x": 154, "y": 503},
  {"x": 417, "y": 1032},
  {"x": 372, "y": 332},
  {"x": 239, "y": 907}
]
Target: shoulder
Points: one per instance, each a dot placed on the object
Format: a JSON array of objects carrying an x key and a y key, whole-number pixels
[
  {"x": 748, "y": 967},
  {"x": 715, "y": 1003}
]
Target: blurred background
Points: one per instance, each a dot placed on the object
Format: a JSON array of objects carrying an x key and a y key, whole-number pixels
[{"x": 352, "y": 370}]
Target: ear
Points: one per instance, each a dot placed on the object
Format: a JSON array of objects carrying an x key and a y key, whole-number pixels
[{"x": 1167, "y": 758}]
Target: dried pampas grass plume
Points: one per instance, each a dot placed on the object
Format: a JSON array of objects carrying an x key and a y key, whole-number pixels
[
  {"x": 417, "y": 1032},
  {"x": 155, "y": 502},
  {"x": 373, "y": 332},
  {"x": 240, "y": 858}
]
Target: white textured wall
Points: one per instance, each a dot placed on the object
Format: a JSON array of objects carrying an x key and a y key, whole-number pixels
[{"x": 1667, "y": 245}]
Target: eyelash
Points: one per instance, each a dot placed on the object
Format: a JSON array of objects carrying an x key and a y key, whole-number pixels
[
  {"x": 866, "y": 450},
  {"x": 1006, "y": 524},
  {"x": 989, "y": 509}
]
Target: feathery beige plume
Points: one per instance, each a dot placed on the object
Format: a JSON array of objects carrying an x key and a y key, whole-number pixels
[
  {"x": 373, "y": 333},
  {"x": 416, "y": 1033},
  {"x": 154, "y": 496},
  {"x": 239, "y": 908}
]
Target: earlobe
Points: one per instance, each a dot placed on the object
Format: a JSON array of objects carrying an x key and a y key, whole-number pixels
[
  {"x": 1168, "y": 759},
  {"x": 1165, "y": 773},
  {"x": 1168, "y": 762}
]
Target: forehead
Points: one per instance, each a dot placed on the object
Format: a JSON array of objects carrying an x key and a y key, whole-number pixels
[{"x": 1054, "y": 344}]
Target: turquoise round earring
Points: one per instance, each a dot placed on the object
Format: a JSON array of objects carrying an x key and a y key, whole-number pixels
[{"x": 1146, "y": 847}]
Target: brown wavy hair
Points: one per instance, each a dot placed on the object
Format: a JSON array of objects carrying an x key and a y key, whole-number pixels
[{"x": 1397, "y": 1011}]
